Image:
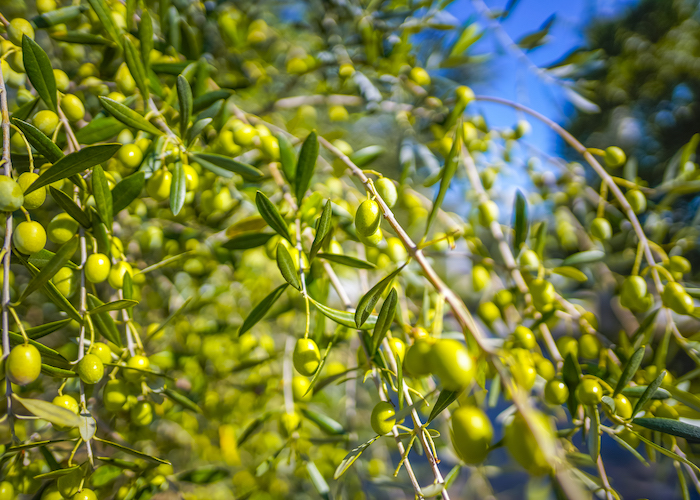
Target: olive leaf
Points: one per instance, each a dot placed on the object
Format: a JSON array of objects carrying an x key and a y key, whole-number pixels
[
  {"x": 648, "y": 392},
  {"x": 146, "y": 38},
  {"x": 445, "y": 399},
  {"x": 261, "y": 309},
  {"x": 268, "y": 211},
  {"x": 386, "y": 317},
  {"x": 182, "y": 400},
  {"x": 87, "y": 427},
  {"x": 56, "y": 473},
  {"x": 585, "y": 257},
  {"x": 178, "y": 188},
  {"x": 103, "y": 196},
  {"x": 70, "y": 207},
  {"x": 38, "y": 68},
  {"x": 196, "y": 129},
  {"x": 79, "y": 37},
  {"x": 666, "y": 452},
  {"x": 184, "y": 96},
  {"x": 50, "y": 412},
  {"x": 570, "y": 272},
  {"x": 253, "y": 427},
  {"x": 688, "y": 399},
  {"x": 37, "y": 332},
  {"x": 247, "y": 240},
  {"x": 351, "y": 457},
  {"x": 52, "y": 292},
  {"x": 116, "y": 305},
  {"x": 638, "y": 390},
  {"x": 205, "y": 100},
  {"x": 226, "y": 167},
  {"x": 128, "y": 116},
  {"x": 99, "y": 129},
  {"x": 540, "y": 239},
  {"x": 449, "y": 170},
  {"x": 58, "y": 261},
  {"x": 127, "y": 190},
  {"x": 630, "y": 370},
  {"x": 521, "y": 221},
  {"x": 133, "y": 452},
  {"x": 74, "y": 163},
  {"x": 287, "y": 158},
  {"x": 367, "y": 155},
  {"x": 324, "y": 422},
  {"x": 593, "y": 432},
  {"x": 25, "y": 110},
  {"x": 204, "y": 475},
  {"x": 346, "y": 260},
  {"x": 104, "y": 14},
  {"x": 370, "y": 299},
  {"x": 58, "y": 16},
  {"x": 133, "y": 62},
  {"x": 323, "y": 229},
  {"x": 286, "y": 267},
  {"x": 689, "y": 432},
  {"x": 41, "y": 142},
  {"x": 104, "y": 323},
  {"x": 306, "y": 166},
  {"x": 344, "y": 318}
]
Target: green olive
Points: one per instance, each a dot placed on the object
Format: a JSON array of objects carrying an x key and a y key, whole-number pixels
[
  {"x": 73, "y": 107},
  {"x": 64, "y": 281},
  {"x": 679, "y": 264},
  {"x": 117, "y": 272},
  {"x": 522, "y": 444},
  {"x": 556, "y": 392},
  {"x": 134, "y": 365},
  {"x": 545, "y": 369},
  {"x": 614, "y": 157},
  {"x": 245, "y": 135},
  {"x": 523, "y": 337},
  {"x": 7, "y": 491},
  {"x": 158, "y": 186},
  {"x": 37, "y": 197},
  {"x": 85, "y": 494},
  {"x": 543, "y": 294},
  {"x": 368, "y": 218},
  {"x": 29, "y": 237},
  {"x": 601, "y": 229},
  {"x": 102, "y": 351},
  {"x": 90, "y": 369},
  {"x": 11, "y": 194},
  {"x": 114, "y": 395},
  {"x": 191, "y": 178},
  {"x": 97, "y": 267},
  {"x": 17, "y": 29},
  {"x": 288, "y": 423},
  {"x": 677, "y": 299},
  {"x": 623, "y": 407},
  {"x": 23, "y": 364},
  {"x": 589, "y": 392},
  {"x": 382, "y": 420},
  {"x": 488, "y": 213},
  {"x": 416, "y": 360},
  {"x": 489, "y": 312},
  {"x": 464, "y": 95},
  {"x": 387, "y": 191},
  {"x": 420, "y": 76},
  {"x": 306, "y": 357},
  {"x": 471, "y": 433},
  {"x": 141, "y": 414},
  {"x": 637, "y": 200},
  {"x": 62, "y": 228},
  {"x": 480, "y": 278},
  {"x": 46, "y": 121},
  {"x": 372, "y": 240},
  {"x": 398, "y": 348},
  {"x": 300, "y": 386},
  {"x": 567, "y": 345},
  {"x": 69, "y": 484},
  {"x": 451, "y": 362},
  {"x": 634, "y": 288},
  {"x": 131, "y": 156},
  {"x": 270, "y": 146}
]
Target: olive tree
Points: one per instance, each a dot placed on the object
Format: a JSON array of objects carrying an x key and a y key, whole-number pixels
[{"x": 233, "y": 265}]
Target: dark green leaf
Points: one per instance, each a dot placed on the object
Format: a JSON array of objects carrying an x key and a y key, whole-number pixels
[
  {"x": 225, "y": 167},
  {"x": 386, "y": 317},
  {"x": 75, "y": 163},
  {"x": 43, "y": 256},
  {"x": 247, "y": 240},
  {"x": 351, "y": 457},
  {"x": 128, "y": 116},
  {"x": 103, "y": 196},
  {"x": 306, "y": 166},
  {"x": 690, "y": 433},
  {"x": 79, "y": 37},
  {"x": 205, "y": 100},
  {"x": 261, "y": 309},
  {"x": 178, "y": 189},
  {"x": 253, "y": 427},
  {"x": 104, "y": 14},
  {"x": 344, "y": 318},
  {"x": 25, "y": 110},
  {"x": 445, "y": 399},
  {"x": 58, "y": 261},
  {"x": 100, "y": 233},
  {"x": 204, "y": 475},
  {"x": 70, "y": 207},
  {"x": 104, "y": 323},
  {"x": 42, "y": 330},
  {"x": 56, "y": 473},
  {"x": 541, "y": 239},
  {"x": 666, "y": 452},
  {"x": 170, "y": 68},
  {"x": 133, "y": 62},
  {"x": 451, "y": 163},
  {"x": 53, "y": 294},
  {"x": 116, "y": 305},
  {"x": 346, "y": 260},
  {"x": 196, "y": 129},
  {"x": 40, "y": 141},
  {"x": 367, "y": 155},
  {"x": 99, "y": 129},
  {"x": 39, "y": 71},
  {"x": 318, "y": 481},
  {"x": 146, "y": 37},
  {"x": 133, "y": 452},
  {"x": 286, "y": 267},
  {"x": 287, "y": 158},
  {"x": 269, "y": 212},
  {"x": 184, "y": 97},
  {"x": 571, "y": 373},
  {"x": 58, "y": 16},
  {"x": 647, "y": 394},
  {"x": 370, "y": 299},
  {"x": 128, "y": 189},
  {"x": 323, "y": 228},
  {"x": 593, "y": 432},
  {"x": 324, "y": 422},
  {"x": 638, "y": 390},
  {"x": 182, "y": 400},
  {"x": 630, "y": 370},
  {"x": 521, "y": 220}
]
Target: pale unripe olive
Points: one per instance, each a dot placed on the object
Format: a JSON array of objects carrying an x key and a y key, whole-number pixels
[
  {"x": 306, "y": 357},
  {"x": 677, "y": 299},
  {"x": 367, "y": 218},
  {"x": 637, "y": 200},
  {"x": 11, "y": 194},
  {"x": 387, "y": 191},
  {"x": 601, "y": 229},
  {"x": 451, "y": 362},
  {"x": 381, "y": 418},
  {"x": 488, "y": 213},
  {"x": 471, "y": 433},
  {"x": 614, "y": 157},
  {"x": 522, "y": 444}
]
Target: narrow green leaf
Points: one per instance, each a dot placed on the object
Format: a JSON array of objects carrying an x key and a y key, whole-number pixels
[
  {"x": 344, "y": 318},
  {"x": 100, "y": 232},
  {"x": 593, "y": 432},
  {"x": 128, "y": 116},
  {"x": 521, "y": 220},
  {"x": 56, "y": 473},
  {"x": 684, "y": 397},
  {"x": 451, "y": 163},
  {"x": 99, "y": 129},
  {"x": 103, "y": 196},
  {"x": 133, "y": 452},
  {"x": 370, "y": 299},
  {"x": 184, "y": 97},
  {"x": 666, "y": 452},
  {"x": 35, "y": 444},
  {"x": 205, "y": 475},
  {"x": 25, "y": 110},
  {"x": 178, "y": 189},
  {"x": 570, "y": 272},
  {"x": 50, "y": 412},
  {"x": 247, "y": 240},
  {"x": 182, "y": 400},
  {"x": 133, "y": 62},
  {"x": 87, "y": 427},
  {"x": 58, "y": 16},
  {"x": 585, "y": 257},
  {"x": 432, "y": 490},
  {"x": 146, "y": 37},
  {"x": 128, "y": 189},
  {"x": 55, "y": 372},
  {"x": 571, "y": 373},
  {"x": 367, "y": 155},
  {"x": 41, "y": 142},
  {"x": 638, "y": 390},
  {"x": 205, "y": 100},
  {"x": 104, "y": 14},
  {"x": 104, "y": 323},
  {"x": 286, "y": 267},
  {"x": 224, "y": 166},
  {"x": 346, "y": 260},
  {"x": 386, "y": 317},
  {"x": 287, "y": 158},
  {"x": 116, "y": 305},
  {"x": 43, "y": 256},
  {"x": 261, "y": 309},
  {"x": 407, "y": 410},
  {"x": 306, "y": 166},
  {"x": 75, "y": 163},
  {"x": 689, "y": 432},
  {"x": 58, "y": 261},
  {"x": 323, "y": 229},
  {"x": 351, "y": 457},
  {"x": 629, "y": 448},
  {"x": 79, "y": 37},
  {"x": 253, "y": 427},
  {"x": 196, "y": 129},
  {"x": 630, "y": 370},
  {"x": 38, "y": 68},
  {"x": 324, "y": 422},
  {"x": 70, "y": 207},
  {"x": 269, "y": 212},
  {"x": 445, "y": 399},
  {"x": 37, "y": 332},
  {"x": 541, "y": 239},
  {"x": 646, "y": 395},
  {"x": 52, "y": 293}
]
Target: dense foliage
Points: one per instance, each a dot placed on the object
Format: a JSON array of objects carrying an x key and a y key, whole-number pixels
[{"x": 219, "y": 281}]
